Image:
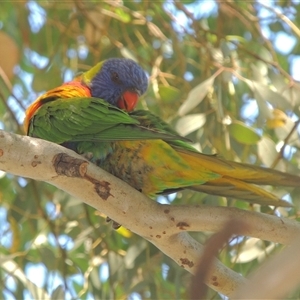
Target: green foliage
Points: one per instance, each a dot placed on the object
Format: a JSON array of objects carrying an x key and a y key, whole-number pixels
[{"x": 205, "y": 68}]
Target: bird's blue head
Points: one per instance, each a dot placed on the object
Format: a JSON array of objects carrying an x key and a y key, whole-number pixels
[{"x": 120, "y": 82}]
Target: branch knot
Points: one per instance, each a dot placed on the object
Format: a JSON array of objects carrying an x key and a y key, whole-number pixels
[{"x": 69, "y": 166}]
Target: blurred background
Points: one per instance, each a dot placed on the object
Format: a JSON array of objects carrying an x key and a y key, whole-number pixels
[{"x": 223, "y": 73}]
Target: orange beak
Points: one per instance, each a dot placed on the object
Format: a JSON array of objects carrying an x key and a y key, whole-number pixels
[{"x": 128, "y": 100}]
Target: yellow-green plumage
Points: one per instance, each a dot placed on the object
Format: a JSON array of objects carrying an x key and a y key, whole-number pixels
[
  {"x": 153, "y": 167},
  {"x": 145, "y": 152}
]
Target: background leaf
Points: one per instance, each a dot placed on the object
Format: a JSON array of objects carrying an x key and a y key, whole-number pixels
[
  {"x": 196, "y": 95},
  {"x": 243, "y": 134}
]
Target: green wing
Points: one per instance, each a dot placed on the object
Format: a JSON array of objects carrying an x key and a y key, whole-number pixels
[
  {"x": 147, "y": 119},
  {"x": 90, "y": 119}
]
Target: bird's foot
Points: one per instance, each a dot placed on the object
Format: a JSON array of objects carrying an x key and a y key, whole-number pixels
[{"x": 115, "y": 225}]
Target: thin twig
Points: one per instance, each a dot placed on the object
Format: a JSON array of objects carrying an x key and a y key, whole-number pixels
[
  {"x": 285, "y": 143},
  {"x": 283, "y": 18}
]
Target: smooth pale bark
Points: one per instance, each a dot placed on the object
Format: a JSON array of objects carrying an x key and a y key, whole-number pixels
[{"x": 165, "y": 226}]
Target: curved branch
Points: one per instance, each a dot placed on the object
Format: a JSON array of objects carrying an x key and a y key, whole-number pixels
[{"x": 163, "y": 225}]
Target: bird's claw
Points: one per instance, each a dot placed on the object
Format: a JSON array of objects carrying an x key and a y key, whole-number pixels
[{"x": 115, "y": 225}]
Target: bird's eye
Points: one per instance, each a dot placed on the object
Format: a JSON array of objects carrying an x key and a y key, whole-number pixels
[{"x": 115, "y": 77}]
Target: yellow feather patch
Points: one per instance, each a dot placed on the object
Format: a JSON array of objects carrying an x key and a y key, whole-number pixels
[{"x": 90, "y": 74}]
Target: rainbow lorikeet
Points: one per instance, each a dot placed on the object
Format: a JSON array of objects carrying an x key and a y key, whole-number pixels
[{"x": 87, "y": 115}]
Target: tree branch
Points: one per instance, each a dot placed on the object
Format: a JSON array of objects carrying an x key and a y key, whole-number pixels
[{"x": 163, "y": 225}]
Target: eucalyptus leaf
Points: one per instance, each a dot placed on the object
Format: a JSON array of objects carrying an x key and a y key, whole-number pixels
[
  {"x": 133, "y": 252},
  {"x": 268, "y": 154},
  {"x": 264, "y": 93},
  {"x": 243, "y": 133},
  {"x": 58, "y": 293},
  {"x": 190, "y": 123},
  {"x": 292, "y": 94},
  {"x": 260, "y": 72},
  {"x": 127, "y": 53},
  {"x": 251, "y": 249},
  {"x": 196, "y": 95}
]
